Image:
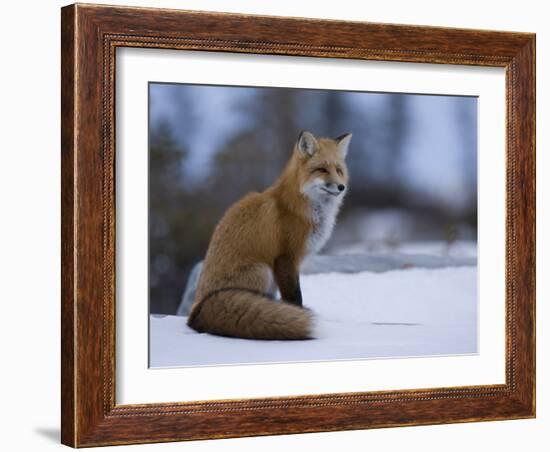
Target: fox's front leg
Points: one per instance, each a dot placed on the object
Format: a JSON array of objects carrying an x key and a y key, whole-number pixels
[{"x": 288, "y": 279}]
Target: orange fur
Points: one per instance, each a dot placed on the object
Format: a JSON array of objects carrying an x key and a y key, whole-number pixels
[{"x": 262, "y": 239}]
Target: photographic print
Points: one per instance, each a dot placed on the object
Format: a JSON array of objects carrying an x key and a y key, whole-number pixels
[
  {"x": 339, "y": 225},
  {"x": 292, "y": 225}
]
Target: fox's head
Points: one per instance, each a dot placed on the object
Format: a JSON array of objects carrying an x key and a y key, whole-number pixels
[{"x": 322, "y": 171}]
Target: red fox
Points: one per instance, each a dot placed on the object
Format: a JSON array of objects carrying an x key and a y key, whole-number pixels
[{"x": 263, "y": 238}]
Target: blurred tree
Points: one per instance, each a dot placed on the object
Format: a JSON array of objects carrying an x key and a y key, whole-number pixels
[
  {"x": 397, "y": 123},
  {"x": 245, "y": 165},
  {"x": 374, "y": 161},
  {"x": 335, "y": 113},
  {"x": 276, "y": 112},
  {"x": 180, "y": 221},
  {"x": 467, "y": 123},
  {"x": 165, "y": 163}
]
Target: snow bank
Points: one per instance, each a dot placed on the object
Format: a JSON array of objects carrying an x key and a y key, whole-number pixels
[
  {"x": 403, "y": 313},
  {"x": 458, "y": 249},
  {"x": 353, "y": 263}
]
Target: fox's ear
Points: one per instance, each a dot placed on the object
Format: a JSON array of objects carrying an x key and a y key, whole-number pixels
[
  {"x": 343, "y": 143},
  {"x": 307, "y": 144}
]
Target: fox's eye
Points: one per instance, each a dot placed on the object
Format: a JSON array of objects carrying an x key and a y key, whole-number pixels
[
  {"x": 322, "y": 170},
  {"x": 339, "y": 171}
]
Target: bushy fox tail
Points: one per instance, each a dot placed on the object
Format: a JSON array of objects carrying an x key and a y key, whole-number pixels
[{"x": 251, "y": 315}]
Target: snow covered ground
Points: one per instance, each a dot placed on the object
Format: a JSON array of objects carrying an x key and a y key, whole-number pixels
[{"x": 400, "y": 313}]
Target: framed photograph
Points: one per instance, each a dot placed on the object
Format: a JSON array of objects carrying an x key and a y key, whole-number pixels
[{"x": 283, "y": 225}]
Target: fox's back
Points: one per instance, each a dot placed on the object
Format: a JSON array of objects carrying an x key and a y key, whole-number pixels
[
  {"x": 243, "y": 244},
  {"x": 248, "y": 229}
]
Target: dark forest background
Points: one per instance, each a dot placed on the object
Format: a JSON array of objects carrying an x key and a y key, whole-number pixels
[{"x": 412, "y": 162}]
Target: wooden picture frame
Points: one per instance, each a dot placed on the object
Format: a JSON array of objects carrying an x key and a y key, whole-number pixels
[{"x": 90, "y": 35}]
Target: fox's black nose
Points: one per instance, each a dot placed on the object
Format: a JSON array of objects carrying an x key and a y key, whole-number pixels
[{"x": 341, "y": 187}]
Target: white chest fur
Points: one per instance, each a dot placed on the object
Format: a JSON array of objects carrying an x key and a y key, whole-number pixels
[{"x": 323, "y": 216}]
